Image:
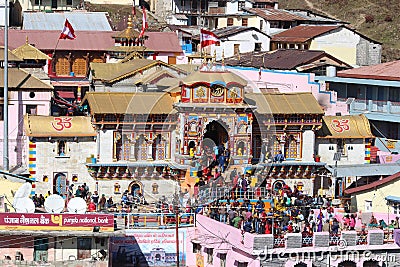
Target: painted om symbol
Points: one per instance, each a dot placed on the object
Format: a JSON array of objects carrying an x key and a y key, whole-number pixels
[
  {"x": 60, "y": 124},
  {"x": 340, "y": 126}
]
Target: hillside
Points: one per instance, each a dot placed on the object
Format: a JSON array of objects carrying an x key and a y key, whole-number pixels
[{"x": 378, "y": 19}]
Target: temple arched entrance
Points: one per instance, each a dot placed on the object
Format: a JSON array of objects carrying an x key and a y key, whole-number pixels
[
  {"x": 135, "y": 188},
  {"x": 215, "y": 135}
]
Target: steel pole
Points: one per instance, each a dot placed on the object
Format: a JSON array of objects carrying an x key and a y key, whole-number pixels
[{"x": 6, "y": 164}]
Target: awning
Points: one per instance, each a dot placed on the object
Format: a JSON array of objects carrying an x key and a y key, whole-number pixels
[
  {"x": 350, "y": 126},
  {"x": 393, "y": 199},
  {"x": 66, "y": 94},
  {"x": 364, "y": 169},
  {"x": 48, "y": 126}
]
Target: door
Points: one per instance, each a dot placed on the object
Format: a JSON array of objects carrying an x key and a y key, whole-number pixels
[
  {"x": 84, "y": 248},
  {"x": 60, "y": 184},
  {"x": 40, "y": 249}
]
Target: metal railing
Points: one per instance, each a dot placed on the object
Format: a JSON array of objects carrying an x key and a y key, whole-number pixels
[{"x": 156, "y": 220}]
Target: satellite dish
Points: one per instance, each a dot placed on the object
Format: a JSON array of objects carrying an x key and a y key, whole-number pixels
[
  {"x": 23, "y": 191},
  {"x": 77, "y": 205},
  {"x": 24, "y": 205},
  {"x": 54, "y": 204}
]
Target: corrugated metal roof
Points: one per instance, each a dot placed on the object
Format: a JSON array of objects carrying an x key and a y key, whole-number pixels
[
  {"x": 20, "y": 79},
  {"x": 282, "y": 59},
  {"x": 366, "y": 170},
  {"x": 389, "y": 71},
  {"x": 278, "y": 103},
  {"x": 47, "y": 40},
  {"x": 275, "y": 14},
  {"x": 163, "y": 42},
  {"x": 302, "y": 33},
  {"x": 129, "y": 103},
  {"x": 80, "y": 21},
  {"x": 232, "y": 30}
]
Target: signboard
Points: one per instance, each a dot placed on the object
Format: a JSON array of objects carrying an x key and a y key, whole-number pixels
[
  {"x": 45, "y": 221},
  {"x": 199, "y": 260},
  {"x": 150, "y": 247}
]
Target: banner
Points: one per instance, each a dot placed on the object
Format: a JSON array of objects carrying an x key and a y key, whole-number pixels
[
  {"x": 148, "y": 248},
  {"x": 45, "y": 221}
]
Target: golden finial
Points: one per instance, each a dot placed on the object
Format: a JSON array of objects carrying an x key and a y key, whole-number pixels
[
  {"x": 223, "y": 56},
  {"x": 130, "y": 22},
  {"x": 27, "y": 42},
  {"x": 215, "y": 55}
]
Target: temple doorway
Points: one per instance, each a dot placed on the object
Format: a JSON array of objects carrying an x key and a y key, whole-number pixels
[
  {"x": 215, "y": 135},
  {"x": 135, "y": 189}
]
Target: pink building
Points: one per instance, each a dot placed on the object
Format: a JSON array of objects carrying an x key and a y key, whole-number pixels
[
  {"x": 27, "y": 95},
  {"x": 291, "y": 82}
]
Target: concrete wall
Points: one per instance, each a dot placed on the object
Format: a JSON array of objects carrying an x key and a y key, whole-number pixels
[
  {"x": 73, "y": 163},
  {"x": 246, "y": 40},
  {"x": 368, "y": 53},
  {"x": 232, "y": 7},
  {"x": 377, "y": 197},
  {"x": 351, "y": 156},
  {"x": 341, "y": 43}
]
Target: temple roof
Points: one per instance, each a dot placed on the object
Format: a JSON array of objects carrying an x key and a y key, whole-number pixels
[
  {"x": 27, "y": 51},
  {"x": 288, "y": 103},
  {"x": 129, "y": 33},
  {"x": 11, "y": 55},
  {"x": 349, "y": 126},
  {"x": 214, "y": 77},
  {"x": 129, "y": 103},
  {"x": 113, "y": 72},
  {"x": 20, "y": 79},
  {"x": 48, "y": 126}
]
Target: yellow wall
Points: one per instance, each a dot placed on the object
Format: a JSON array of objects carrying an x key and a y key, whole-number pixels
[
  {"x": 377, "y": 197},
  {"x": 5, "y": 190},
  {"x": 346, "y": 54}
]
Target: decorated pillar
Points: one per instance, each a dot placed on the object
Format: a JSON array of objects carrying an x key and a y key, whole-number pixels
[{"x": 32, "y": 165}]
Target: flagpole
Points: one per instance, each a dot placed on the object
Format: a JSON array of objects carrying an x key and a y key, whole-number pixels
[{"x": 6, "y": 163}]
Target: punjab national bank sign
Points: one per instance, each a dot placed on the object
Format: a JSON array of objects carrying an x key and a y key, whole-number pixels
[{"x": 44, "y": 221}]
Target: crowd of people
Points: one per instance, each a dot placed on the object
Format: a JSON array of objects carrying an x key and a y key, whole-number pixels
[{"x": 284, "y": 211}]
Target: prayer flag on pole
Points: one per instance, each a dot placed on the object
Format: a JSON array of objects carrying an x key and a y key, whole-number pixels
[
  {"x": 144, "y": 22},
  {"x": 133, "y": 9},
  {"x": 68, "y": 32},
  {"x": 208, "y": 38}
]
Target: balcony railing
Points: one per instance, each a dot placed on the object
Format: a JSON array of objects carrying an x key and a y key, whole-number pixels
[{"x": 373, "y": 106}]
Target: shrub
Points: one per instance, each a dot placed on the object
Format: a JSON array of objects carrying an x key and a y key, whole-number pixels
[
  {"x": 369, "y": 18},
  {"x": 388, "y": 18}
]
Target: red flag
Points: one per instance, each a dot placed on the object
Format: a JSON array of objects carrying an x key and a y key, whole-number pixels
[
  {"x": 68, "y": 32},
  {"x": 133, "y": 9},
  {"x": 144, "y": 23},
  {"x": 208, "y": 38}
]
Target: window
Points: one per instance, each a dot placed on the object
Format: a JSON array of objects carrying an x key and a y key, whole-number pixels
[
  {"x": 396, "y": 209},
  {"x": 230, "y": 22},
  {"x": 36, "y": 2},
  {"x": 31, "y": 109},
  {"x": 1, "y": 112},
  {"x": 61, "y": 148},
  {"x": 236, "y": 49},
  {"x": 241, "y": 4},
  {"x": 242, "y": 264},
  {"x": 210, "y": 252},
  {"x": 196, "y": 248},
  {"x": 222, "y": 258},
  {"x": 245, "y": 21},
  {"x": 368, "y": 206},
  {"x": 69, "y": 2},
  {"x": 257, "y": 47}
]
